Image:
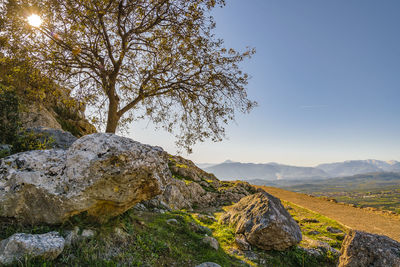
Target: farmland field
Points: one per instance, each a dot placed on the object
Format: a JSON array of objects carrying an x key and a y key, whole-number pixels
[{"x": 379, "y": 190}]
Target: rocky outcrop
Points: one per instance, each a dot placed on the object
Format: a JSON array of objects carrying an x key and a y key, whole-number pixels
[
  {"x": 185, "y": 168},
  {"x": 102, "y": 174},
  {"x": 193, "y": 187},
  {"x": 365, "y": 249},
  {"x": 37, "y": 115},
  {"x": 18, "y": 246},
  {"x": 60, "y": 139},
  {"x": 56, "y": 115},
  {"x": 264, "y": 222}
]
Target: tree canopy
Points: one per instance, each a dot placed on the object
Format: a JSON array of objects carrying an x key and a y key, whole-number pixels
[{"x": 134, "y": 59}]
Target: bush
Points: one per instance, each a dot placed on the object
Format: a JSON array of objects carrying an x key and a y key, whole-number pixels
[
  {"x": 11, "y": 131},
  {"x": 9, "y": 114},
  {"x": 28, "y": 140}
]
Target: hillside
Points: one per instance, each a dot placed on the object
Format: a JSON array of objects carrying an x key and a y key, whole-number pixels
[{"x": 179, "y": 225}]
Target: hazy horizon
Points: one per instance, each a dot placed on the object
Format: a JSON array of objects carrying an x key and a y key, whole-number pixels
[
  {"x": 325, "y": 75},
  {"x": 274, "y": 162}
]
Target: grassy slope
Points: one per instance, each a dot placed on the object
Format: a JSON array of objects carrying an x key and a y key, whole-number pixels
[
  {"x": 148, "y": 240},
  {"x": 310, "y": 221}
]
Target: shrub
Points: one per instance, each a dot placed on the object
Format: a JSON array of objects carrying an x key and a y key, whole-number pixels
[
  {"x": 9, "y": 114},
  {"x": 28, "y": 140}
]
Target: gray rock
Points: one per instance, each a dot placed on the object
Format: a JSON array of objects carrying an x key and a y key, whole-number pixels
[
  {"x": 87, "y": 234},
  {"x": 154, "y": 204},
  {"x": 140, "y": 207},
  {"x": 18, "y": 246},
  {"x": 313, "y": 232},
  {"x": 365, "y": 249},
  {"x": 208, "y": 264},
  {"x": 61, "y": 139},
  {"x": 120, "y": 233},
  {"x": 199, "y": 228},
  {"x": 72, "y": 236},
  {"x": 334, "y": 230},
  {"x": 211, "y": 241},
  {"x": 263, "y": 220},
  {"x": 242, "y": 243},
  {"x": 318, "y": 248},
  {"x": 172, "y": 221},
  {"x": 103, "y": 174}
]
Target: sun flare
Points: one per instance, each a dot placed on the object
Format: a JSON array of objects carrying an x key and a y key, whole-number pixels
[{"x": 35, "y": 20}]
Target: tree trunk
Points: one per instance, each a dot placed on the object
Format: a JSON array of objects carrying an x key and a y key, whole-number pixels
[{"x": 112, "y": 117}]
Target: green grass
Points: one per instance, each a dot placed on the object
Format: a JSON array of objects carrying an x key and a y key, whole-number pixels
[
  {"x": 149, "y": 241},
  {"x": 295, "y": 256},
  {"x": 312, "y": 221}
]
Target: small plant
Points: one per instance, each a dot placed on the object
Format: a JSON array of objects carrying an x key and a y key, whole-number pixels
[{"x": 29, "y": 140}]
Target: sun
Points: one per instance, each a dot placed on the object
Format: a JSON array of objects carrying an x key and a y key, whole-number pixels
[{"x": 35, "y": 20}]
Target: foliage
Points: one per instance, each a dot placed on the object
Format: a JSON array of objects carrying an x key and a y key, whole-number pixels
[
  {"x": 29, "y": 84},
  {"x": 29, "y": 140},
  {"x": 9, "y": 114},
  {"x": 134, "y": 59},
  {"x": 33, "y": 88},
  {"x": 11, "y": 131}
]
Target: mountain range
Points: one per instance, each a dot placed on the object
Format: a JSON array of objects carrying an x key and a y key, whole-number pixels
[{"x": 230, "y": 170}]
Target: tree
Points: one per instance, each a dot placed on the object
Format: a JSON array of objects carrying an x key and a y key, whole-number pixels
[{"x": 136, "y": 58}]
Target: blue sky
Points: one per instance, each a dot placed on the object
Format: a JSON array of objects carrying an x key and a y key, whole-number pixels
[{"x": 326, "y": 76}]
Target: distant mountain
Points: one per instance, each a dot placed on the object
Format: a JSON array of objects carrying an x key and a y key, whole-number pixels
[
  {"x": 269, "y": 171},
  {"x": 205, "y": 165},
  {"x": 208, "y": 165},
  {"x": 353, "y": 167},
  {"x": 230, "y": 170}
]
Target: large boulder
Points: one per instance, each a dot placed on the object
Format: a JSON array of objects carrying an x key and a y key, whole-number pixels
[
  {"x": 365, "y": 249},
  {"x": 18, "y": 246},
  {"x": 102, "y": 174},
  {"x": 264, "y": 222}
]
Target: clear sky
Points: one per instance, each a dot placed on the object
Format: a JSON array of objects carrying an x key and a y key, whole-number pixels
[{"x": 326, "y": 76}]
